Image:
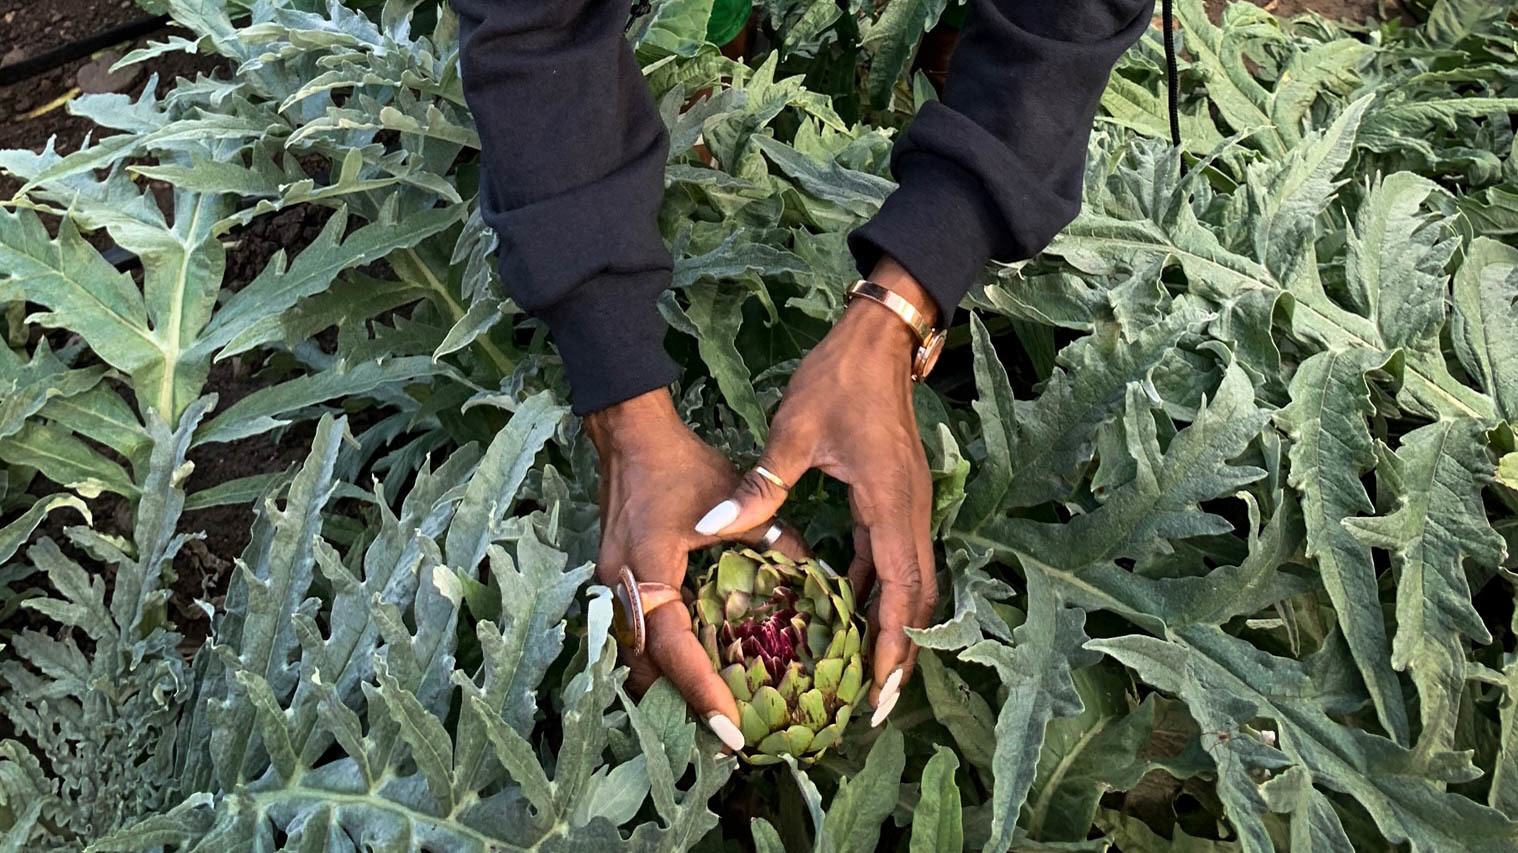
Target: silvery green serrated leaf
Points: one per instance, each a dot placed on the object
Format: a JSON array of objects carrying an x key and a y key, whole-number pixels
[
  {"x": 962, "y": 711},
  {"x": 892, "y": 38},
  {"x": 1409, "y": 123},
  {"x": 665, "y": 737},
  {"x": 1289, "y": 194},
  {"x": 102, "y": 415},
  {"x": 673, "y": 28},
  {"x": 66, "y": 460},
  {"x": 27, "y": 386},
  {"x": 1331, "y": 448},
  {"x": 766, "y": 839},
  {"x": 491, "y": 492},
  {"x": 1394, "y": 268},
  {"x": 1315, "y": 825},
  {"x": 278, "y": 287},
  {"x": 428, "y": 742},
  {"x": 862, "y": 804},
  {"x": 1240, "y": 99},
  {"x": 160, "y": 503},
  {"x": 715, "y": 311},
  {"x": 1056, "y": 430},
  {"x": 614, "y": 796},
  {"x": 1485, "y": 326},
  {"x": 1036, "y": 673},
  {"x": 74, "y": 279},
  {"x": 207, "y": 174},
  {"x": 1139, "y": 107},
  {"x": 19, "y": 530},
  {"x": 1434, "y": 481},
  {"x": 273, "y": 584},
  {"x": 1331, "y": 69},
  {"x": 270, "y": 407},
  {"x": 534, "y": 597},
  {"x": 937, "y": 820},
  {"x": 1450, "y": 21},
  {"x": 1054, "y": 299},
  {"x": 1085, "y": 756},
  {"x": 997, "y": 408},
  {"x": 240, "y": 491},
  {"x": 1492, "y": 212},
  {"x": 1161, "y": 503},
  {"x": 517, "y": 757},
  {"x": 1503, "y": 794},
  {"x": 860, "y": 193},
  {"x": 179, "y": 826},
  {"x": 974, "y": 590},
  {"x": 587, "y": 696},
  {"x": 273, "y": 731},
  {"x": 1211, "y": 669},
  {"x": 83, "y": 603},
  {"x": 738, "y": 256}
]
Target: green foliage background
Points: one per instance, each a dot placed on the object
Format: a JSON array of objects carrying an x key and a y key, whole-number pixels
[{"x": 1228, "y": 551}]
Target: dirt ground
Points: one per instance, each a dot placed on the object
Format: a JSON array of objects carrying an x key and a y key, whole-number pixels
[{"x": 35, "y": 109}]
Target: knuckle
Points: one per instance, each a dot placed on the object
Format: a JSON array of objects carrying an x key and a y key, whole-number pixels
[
  {"x": 909, "y": 584},
  {"x": 754, "y": 487}
]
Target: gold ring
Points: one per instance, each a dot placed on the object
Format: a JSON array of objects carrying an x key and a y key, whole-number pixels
[
  {"x": 631, "y": 605},
  {"x": 772, "y": 477}
]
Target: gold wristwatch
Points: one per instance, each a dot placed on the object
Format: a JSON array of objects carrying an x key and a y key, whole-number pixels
[{"x": 929, "y": 340}]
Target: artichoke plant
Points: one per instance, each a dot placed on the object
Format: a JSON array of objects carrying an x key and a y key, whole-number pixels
[{"x": 784, "y": 636}]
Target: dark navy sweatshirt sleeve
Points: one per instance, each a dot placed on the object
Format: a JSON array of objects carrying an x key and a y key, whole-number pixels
[
  {"x": 572, "y": 174},
  {"x": 994, "y": 169},
  {"x": 573, "y": 153}
]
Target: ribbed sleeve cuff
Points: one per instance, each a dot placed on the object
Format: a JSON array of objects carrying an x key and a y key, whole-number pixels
[
  {"x": 611, "y": 337},
  {"x": 939, "y": 224}
]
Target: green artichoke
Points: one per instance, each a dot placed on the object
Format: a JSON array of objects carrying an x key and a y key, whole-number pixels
[{"x": 785, "y": 638}]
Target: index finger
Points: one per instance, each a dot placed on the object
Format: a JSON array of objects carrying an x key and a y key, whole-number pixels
[
  {"x": 898, "y": 518},
  {"x": 673, "y": 647}
]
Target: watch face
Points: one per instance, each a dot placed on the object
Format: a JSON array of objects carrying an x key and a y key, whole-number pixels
[{"x": 927, "y": 355}]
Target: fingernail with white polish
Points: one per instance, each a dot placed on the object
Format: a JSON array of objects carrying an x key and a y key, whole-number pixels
[
  {"x": 724, "y": 729},
  {"x": 827, "y": 568},
  {"x": 717, "y": 518},
  {"x": 890, "y": 692}
]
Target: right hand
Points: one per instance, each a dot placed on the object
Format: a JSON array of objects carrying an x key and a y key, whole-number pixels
[{"x": 657, "y": 477}]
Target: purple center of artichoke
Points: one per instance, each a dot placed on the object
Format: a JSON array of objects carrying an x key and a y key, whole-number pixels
[{"x": 772, "y": 635}]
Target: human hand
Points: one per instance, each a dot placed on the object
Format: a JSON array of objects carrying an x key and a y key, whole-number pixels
[
  {"x": 656, "y": 478},
  {"x": 848, "y": 411}
]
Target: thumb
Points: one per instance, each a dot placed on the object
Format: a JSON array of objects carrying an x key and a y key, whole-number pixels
[{"x": 757, "y": 498}]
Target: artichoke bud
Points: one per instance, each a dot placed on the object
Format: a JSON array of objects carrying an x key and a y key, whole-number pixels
[{"x": 785, "y": 639}]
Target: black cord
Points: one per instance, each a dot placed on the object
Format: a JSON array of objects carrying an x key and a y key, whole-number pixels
[
  {"x": 1167, "y": 16},
  {"x": 44, "y": 62}
]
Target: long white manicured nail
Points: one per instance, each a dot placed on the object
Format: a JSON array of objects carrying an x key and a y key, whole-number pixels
[
  {"x": 724, "y": 729},
  {"x": 717, "y": 518},
  {"x": 827, "y": 568},
  {"x": 890, "y": 692}
]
